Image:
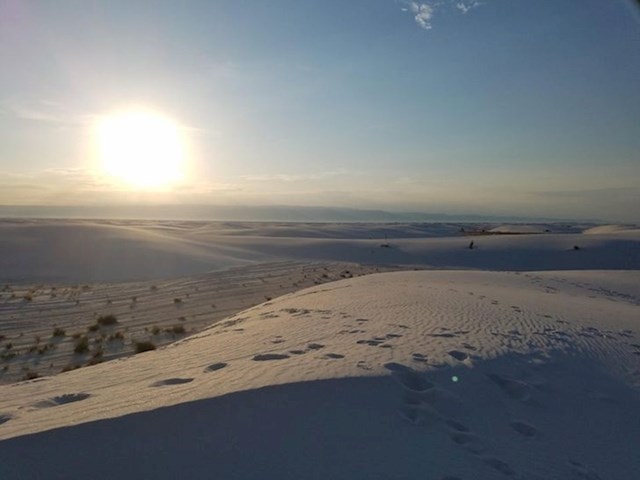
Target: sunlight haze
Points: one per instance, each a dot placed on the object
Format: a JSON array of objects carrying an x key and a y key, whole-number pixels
[{"x": 503, "y": 107}]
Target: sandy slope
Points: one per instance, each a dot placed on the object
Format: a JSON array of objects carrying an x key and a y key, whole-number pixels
[
  {"x": 158, "y": 311},
  {"x": 430, "y": 374},
  {"x": 49, "y": 251}
]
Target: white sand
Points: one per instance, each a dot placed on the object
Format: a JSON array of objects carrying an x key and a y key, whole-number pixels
[
  {"x": 428, "y": 374},
  {"x": 74, "y": 251}
]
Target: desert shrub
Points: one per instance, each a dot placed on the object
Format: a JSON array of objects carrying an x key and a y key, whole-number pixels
[
  {"x": 177, "y": 330},
  {"x": 93, "y": 328},
  {"x": 144, "y": 346},
  {"x": 107, "y": 320},
  {"x": 177, "y": 301},
  {"x": 45, "y": 348},
  {"x": 82, "y": 345},
  {"x": 155, "y": 330},
  {"x": 68, "y": 368},
  {"x": 30, "y": 375},
  {"x": 58, "y": 332},
  {"x": 116, "y": 336},
  {"x": 76, "y": 336},
  {"x": 6, "y": 356},
  {"x": 8, "y": 346}
]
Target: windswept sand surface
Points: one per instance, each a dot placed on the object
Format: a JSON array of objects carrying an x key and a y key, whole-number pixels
[
  {"x": 435, "y": 374},
  {"x": 48, "y": 251},
  {"x": 451, "y": 374},
  {"x": 41, "y": 325}
]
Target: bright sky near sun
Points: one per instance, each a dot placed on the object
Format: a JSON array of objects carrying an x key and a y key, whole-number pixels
[{"x": 493, "y": 107}]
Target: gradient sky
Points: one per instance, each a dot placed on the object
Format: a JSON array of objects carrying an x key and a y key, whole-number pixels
[{"x": 494, "y": 107}]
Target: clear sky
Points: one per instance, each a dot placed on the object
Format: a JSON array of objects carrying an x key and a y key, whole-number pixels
[{"x": 527, "y": 107}]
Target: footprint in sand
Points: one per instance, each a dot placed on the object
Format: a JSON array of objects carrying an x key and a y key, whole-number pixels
[
  {"x": 62, "y": 400},
  {"x": 419, "y": 414},
  {"x": 419, "y": 357},
  {"x": 458, "y": 355},
  {"x": 499, "y": 466},
  {"x": 215, "y": 366},
  {"x": 514, "y": 388},
  {"x": 581, "y": 472},
  {"x": 171, "y": 381},
  {"x": 333, "y": 356},
  {"x": 270, "y": 356},
  {"x": 524, "y": 429},
  {"x": 469, "y": 441},
  {"x": 4, "y": 418},
  {"x": 364, "y": 365},
  {"x": 457, "y": 426},
  {"x": 409, "y": 379}
]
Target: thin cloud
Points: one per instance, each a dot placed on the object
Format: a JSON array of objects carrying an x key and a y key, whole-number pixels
[
  {"x": 285, "y": 177},
  {"x": 45, "y": 111},
  {"x": 466, "y": 7},
  {"x": 423, "y": 13}
]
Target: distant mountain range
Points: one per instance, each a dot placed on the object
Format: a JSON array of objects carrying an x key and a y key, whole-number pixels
[{"x": 270, "y": 213}]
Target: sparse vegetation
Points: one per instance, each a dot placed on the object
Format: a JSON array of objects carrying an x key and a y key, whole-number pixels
[
  {"x": 107, "y": 320},
  {"x": 58, "y": 332},
  {"x": 176, "y": 330},
  {"x": 81, "y": 346},
  {"x": 93, "y": 328},
  {"x": 116, "y": 336},
  {"x": 155, "y": 330},
  {"x": 30, "y": 375},
  {"x": 144, "y": 346},
  {"x": 177, "y": 301},
  {"x": 6, "y": 356}
]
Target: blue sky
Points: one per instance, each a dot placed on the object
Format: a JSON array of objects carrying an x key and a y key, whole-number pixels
[{"x": 497, "y": 107}]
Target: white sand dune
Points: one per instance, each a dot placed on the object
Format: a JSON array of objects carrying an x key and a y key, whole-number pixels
[
  {"x": 435, "y": 374},
  {"x": 607, "y": 229},
  {"x": 111, "y": 251},
  {"x": 444, "y": 374}
]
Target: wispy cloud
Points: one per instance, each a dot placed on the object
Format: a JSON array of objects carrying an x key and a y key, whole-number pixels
[
  {"x": 44, "y": 111},
  {"x": 424, "y": 12},
  {"x": 285, "y": 177},
  {"x": 465, "y": 7}
]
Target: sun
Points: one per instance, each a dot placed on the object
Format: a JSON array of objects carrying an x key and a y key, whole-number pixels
[{"x": 140, "y": 148}]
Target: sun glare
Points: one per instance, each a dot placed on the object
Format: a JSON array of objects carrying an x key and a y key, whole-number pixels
[{"x": 142, "y": 149}]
